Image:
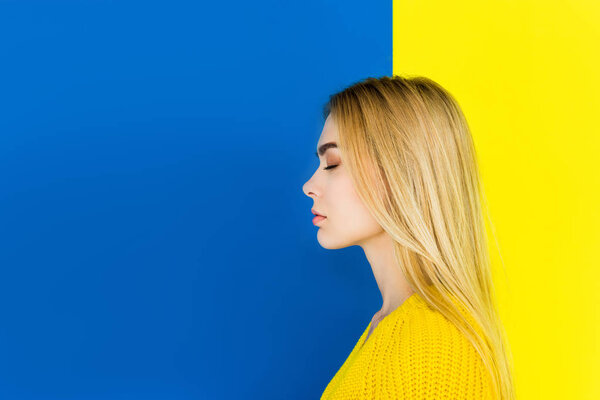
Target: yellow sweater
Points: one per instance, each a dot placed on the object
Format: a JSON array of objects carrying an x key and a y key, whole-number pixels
[{"x": 413, "y": 353}]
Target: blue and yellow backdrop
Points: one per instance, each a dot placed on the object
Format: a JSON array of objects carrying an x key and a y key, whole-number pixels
[{"x": 155, "y": 239}]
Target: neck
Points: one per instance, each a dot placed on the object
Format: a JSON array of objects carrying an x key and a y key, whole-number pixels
[{"x": 392, "y": 284}]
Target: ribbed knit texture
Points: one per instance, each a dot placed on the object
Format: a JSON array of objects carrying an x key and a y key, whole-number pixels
[{"x": 412, "y": 353}]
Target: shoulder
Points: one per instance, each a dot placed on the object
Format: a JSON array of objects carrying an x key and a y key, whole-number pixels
[
  {"x": 422, "y": 324},
  {"x": 429, "y": 354}
]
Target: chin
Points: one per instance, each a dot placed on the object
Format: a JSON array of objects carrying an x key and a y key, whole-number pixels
[{"x": 332, "y": 243}]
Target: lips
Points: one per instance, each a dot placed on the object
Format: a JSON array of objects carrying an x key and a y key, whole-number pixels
[
  {"x": 317, "y": 219},
  {"x": 317, "y": 213}
]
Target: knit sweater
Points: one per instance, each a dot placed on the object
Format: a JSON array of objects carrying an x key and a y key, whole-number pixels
[{"x": 413, "y": 353}]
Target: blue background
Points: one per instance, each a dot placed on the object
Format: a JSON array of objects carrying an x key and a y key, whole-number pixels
[{"x": 156, "y": 242}]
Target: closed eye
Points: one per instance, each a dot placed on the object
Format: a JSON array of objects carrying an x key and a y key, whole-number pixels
[{"x": 331, "y": 166}]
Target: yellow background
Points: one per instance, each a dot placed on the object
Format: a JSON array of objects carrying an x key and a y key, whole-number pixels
[{"x": 526, "y": 74}]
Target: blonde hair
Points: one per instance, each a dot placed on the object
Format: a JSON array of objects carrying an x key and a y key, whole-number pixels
[{"x": 409, "y": 151}]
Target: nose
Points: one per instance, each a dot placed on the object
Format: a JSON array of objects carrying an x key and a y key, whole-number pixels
[
  {"x": 310, "y": 186},
  {"x": 307, "y": 188}
]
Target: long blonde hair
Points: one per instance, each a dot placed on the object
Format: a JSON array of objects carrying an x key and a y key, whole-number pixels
[{"x": 410, "y": 153}]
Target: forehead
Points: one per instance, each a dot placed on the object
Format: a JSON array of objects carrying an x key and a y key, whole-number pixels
[{"x": 329, "y": 133}]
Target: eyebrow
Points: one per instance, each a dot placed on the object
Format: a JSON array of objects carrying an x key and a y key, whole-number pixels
[{"x": 323, "y": 148}]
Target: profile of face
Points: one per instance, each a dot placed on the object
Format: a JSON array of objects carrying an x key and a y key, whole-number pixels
[{"x": 348, "y": 222}]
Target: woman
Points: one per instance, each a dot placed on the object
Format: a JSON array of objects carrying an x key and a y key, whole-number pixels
[{"x": 398, "y": 176}]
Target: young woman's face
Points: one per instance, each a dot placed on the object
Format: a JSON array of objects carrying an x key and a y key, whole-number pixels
[{"x": 348, "y": 222}]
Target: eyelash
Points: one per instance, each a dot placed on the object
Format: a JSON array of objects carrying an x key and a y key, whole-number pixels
[{"x": 331, "y": 166}]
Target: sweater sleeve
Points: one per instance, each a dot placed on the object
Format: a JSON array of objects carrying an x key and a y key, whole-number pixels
[{"x": 431, "y": 359}]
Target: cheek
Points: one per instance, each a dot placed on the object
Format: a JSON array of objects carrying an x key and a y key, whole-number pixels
[{"x": 350, "y": 213}]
